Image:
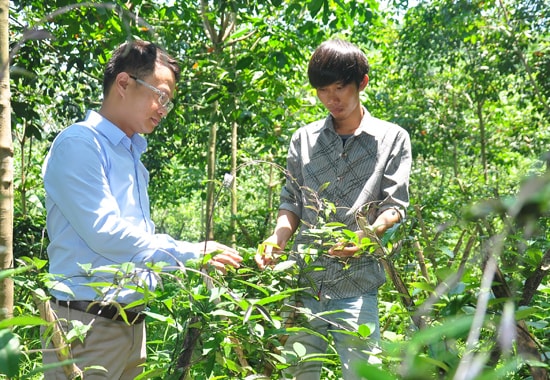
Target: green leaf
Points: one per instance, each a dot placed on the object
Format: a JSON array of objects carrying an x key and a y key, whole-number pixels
[
  {"x": 59, "y": 286},
  {"x": 252, "y": 285},
  {"x": 223, "y": 313},
  {"x": 365, "y": 330},
  {"x": 334, "y": 224},
  {"x": 248, "y": 313},
  {"x": 159, "y": 317},
  {"x": 314, "y": 6},
  {"x": 423, "y": 286},
  {"x": 128, "y": 267},
  {"x": 273, "y": 298},
  {"x": 524, "y": 312},
  {"x": 24, "y": 320},
  {"x": 239, "y": 33},
  {"x": 450, "y": 328},
  {"x": 244, "y": 63},
  {"x": 215, "y": 293},
  {"x": 284, "y": 265},
  {"x": 373, "y": 372},
  {"x": 10, "y": 353},
  {"x": 5, "y": 273},
  {"x": 299, "y": 349}
]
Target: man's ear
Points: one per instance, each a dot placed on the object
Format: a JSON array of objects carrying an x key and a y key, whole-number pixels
[
  {"x": 121, "y": 83},
  {"x": 364, "y": 82}
]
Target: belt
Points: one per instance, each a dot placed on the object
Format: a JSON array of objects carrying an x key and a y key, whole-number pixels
[{"x": 108, "y": 311}]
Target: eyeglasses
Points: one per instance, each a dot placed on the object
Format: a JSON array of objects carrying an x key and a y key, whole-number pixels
[{"x": 164, "y": 99}]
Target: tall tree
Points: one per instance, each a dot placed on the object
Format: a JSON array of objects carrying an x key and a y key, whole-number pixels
[
  {"x": 226, "y": 18},
  {"x": 6, "y": 168}
]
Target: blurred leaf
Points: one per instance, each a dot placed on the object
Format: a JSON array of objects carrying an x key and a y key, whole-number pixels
[
  {"x": 38, "y": 34},
  {"x": 365, "y": 330},
  {"x": 5, "y": 273},
  {"x": 524, "y": 312},
  {"x": 374, "y": 372},
  {"x": 10, "y": 353},
  {"x": 24, "y": 320}
]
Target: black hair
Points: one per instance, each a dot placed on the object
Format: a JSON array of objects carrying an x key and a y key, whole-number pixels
[
  {"x": 138, "y": 58},
  {"x": 337, "y": 60}
]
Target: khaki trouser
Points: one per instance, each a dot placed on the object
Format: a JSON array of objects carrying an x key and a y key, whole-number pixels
[{"x": 113, "y": 345}]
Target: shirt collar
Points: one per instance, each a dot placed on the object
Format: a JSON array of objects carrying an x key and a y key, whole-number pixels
[
  {"x": 368, "y": 125},
  {"x": 114, "y": 134}
]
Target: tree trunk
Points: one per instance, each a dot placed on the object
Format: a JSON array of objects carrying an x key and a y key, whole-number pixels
[
  {"x": 6, "y": 168},
  {"x": 483, "y": 140},
  {"x": 211, "y": 168},
  {"x": 234, "y": 153},
  {"x": 217, "y": 36}
]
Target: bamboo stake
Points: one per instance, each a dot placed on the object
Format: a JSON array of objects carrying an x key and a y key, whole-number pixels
[{"x": 59, "y": 339}]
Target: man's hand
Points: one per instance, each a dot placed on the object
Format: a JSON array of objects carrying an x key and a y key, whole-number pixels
[
  {"x": 268, "y": 252},
  {"x": 345, "y": 250},
  {"x": 348, "y": 248},
  {"x": 385, "y": 221},
  {"x": 226, "y": 256}
]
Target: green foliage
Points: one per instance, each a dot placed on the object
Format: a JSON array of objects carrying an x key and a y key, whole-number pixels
[
  {"x": 9, "y": 353},
  {"x": 467, "y": 79}
]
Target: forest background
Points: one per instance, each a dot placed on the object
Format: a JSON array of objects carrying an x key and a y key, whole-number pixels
[{"x": 466, "y": 296}]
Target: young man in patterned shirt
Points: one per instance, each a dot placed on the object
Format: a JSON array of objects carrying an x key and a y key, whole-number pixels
[{"x": 361, "y": 165}]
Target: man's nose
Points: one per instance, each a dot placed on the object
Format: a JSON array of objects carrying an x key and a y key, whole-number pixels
[
  {"x": 162, "y": 112},
  {"x": 332, "y": 98}
]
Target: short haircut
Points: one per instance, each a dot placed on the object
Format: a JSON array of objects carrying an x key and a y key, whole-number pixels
[
  {"x": 337, "y": 60},
  {"x": 138, "y": 58}
]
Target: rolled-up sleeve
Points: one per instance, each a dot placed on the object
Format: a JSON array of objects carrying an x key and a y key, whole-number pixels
[{"x": 395, "y": 181}]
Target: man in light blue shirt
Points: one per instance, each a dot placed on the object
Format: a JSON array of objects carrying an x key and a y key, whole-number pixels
[{"x": 98, "y": 215}]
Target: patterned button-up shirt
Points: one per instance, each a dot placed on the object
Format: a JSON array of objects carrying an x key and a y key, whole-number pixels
[{"x": 366, "y": 175}]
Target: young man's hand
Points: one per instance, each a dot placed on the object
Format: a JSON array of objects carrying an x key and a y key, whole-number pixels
[
  {"x": 345, "y": 249},
  {"x": 268, "y": 252}
]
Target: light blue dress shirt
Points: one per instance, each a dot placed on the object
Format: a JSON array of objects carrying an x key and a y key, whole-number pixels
[{"x": 98, "y": 215}]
